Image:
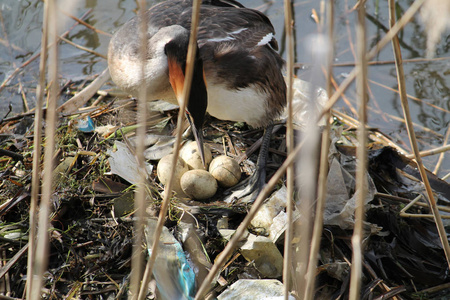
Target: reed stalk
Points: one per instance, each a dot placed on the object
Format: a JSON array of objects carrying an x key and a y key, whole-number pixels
[
  {"x": 137, "y": 258},
  {"x": 182, "y": 103},
  {"x": 41, "y": 257},
  {"x": 361, "y": 155},
  {"x": 37, "y": 141},
  {"x": 323, "y": 168},
  {"x": 287, "y": 261}
]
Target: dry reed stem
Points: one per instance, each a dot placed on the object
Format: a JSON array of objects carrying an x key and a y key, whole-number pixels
[
  {"x": 307, "y": 175},
  {"x": 41, "y": 258},
  {"x": 435, "y": 289},
  {"x": 349, "y": 32},
  {"x": 5, "y": 267},
  {"x": 287, "y": 261},
  {"x": 433, "y": 151},
  {"x": 83, "y": 48},
  {"x": 405, "y": 200},
  {"x": 361, "y": 155},
  {"x": 323, "y": 168},
  {"x": 37, "y": 141},
  {"x": 390, "y": 62},
  {"x": 412, "y": 97},
  {"x": 137, "y": 258},
  {"x": 441, "y": 156},
  {"x": 181, "y": 114},
  {"x": 412, "y": 136},
  {"x": 344, "y": 98},
  {"x": 85, "y": 24},
  {"x": 404, "y": 214}
]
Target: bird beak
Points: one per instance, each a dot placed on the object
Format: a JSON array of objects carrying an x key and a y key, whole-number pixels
[{"x": 198, "y": 136}]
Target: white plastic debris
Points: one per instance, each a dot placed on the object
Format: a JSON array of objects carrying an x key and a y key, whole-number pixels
[
  {"x": 279, "y": 226},
  {"x": 340, "y": 205},
  {"x": 268, "y": 211},
  {"x": 264, "y": 254},
  {"x": 124, "y": 164},
  {"x": 301, "y": 97},
  {"x": 251, "y": 289}
]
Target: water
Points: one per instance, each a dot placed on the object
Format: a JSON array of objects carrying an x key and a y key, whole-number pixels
[{"x": 427, "y": 80}]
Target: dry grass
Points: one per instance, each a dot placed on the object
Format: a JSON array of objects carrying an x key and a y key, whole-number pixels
[{"x": 303, "y": 239}]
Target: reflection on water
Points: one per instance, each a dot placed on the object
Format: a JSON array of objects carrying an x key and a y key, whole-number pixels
[{"x": 427, "y": 80}]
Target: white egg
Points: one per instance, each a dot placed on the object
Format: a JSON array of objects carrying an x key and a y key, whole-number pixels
[
  {"x": 192, "y": 156},
  {"x": 225, "y": 170},
  {"x": 198, "y": 184},
  {"x": 164, "y": 168}
]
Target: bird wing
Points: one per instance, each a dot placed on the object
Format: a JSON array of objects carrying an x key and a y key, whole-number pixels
[{"x": 237, "y": 27}]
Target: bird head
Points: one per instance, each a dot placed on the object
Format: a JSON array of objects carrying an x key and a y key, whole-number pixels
[{"x": 176, "y": 52}]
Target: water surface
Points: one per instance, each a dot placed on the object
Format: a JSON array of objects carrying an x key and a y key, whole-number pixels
[{"x": 426, "y": 80}]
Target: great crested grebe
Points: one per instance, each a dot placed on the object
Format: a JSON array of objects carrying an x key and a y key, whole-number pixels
[{"x": 236, "y": 57}]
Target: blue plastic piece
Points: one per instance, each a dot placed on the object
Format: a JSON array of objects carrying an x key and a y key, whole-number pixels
[
  {"x": 85, "y": 124},
  {"x": 174, "y": 276}
]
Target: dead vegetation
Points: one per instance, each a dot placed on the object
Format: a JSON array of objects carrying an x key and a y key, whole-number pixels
[{"x": 92, "y": 220}]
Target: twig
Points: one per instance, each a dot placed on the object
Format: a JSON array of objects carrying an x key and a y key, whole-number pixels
[
  {"x": 287, "y": 261},
  {"x": 405, "y": 200},
  {"x": 323, "y": 169},
  {"x": 361, "y": 155},
  {"x": 24, "y": 97},
  {"x": 344, "y": 98},
  {"x": 85, "y": 24},
  {"x": 446, "y": 176},
  {"x": 401, "y": 120},
  {"x": 436, "y": 289},
  {"x": 404, "y": 214},
  {"x": 441, "y": 157},
  {"x": 137, "y": 261},
  {"x": 390, "y": 62},
  {"x": 82, "y": 48},
  {"x": 411, "y": 97},
  {"x": 434, "y": 151},
  {"x": 11, "y": 154},
  {"x": 349, "y": 33},
  {"x": 412, "y": 136},
  {"x": 41, "y": 258},
  {"x": 83, "y": 96},
  {"x": 37, "y": 141},
  {"x": 182, "y": 103},
  {"x": 13, "y": 260},
  {"x": 392, "y": 293}
]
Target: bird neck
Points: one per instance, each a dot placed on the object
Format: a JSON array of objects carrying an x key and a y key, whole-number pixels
[{"x": 176, "y": 52}]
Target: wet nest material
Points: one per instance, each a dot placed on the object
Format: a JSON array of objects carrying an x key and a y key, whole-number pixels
[{"x": 91, "y": 232}]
